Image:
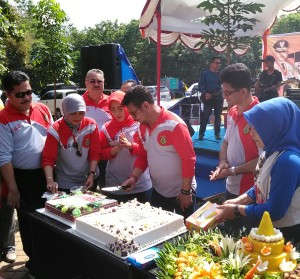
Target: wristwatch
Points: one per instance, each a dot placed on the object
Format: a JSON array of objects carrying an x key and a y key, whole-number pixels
[
  {"x": 236, "y": 211},
  {"x": 233, "y": 171}
]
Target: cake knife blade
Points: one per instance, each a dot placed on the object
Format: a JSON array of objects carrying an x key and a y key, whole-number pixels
[{"x": 114, "y": 188}]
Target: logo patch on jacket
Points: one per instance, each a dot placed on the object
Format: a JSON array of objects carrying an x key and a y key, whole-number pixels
[
  {"x": 87, "y": 142},
  {"x": 164, "y": 138},
  {"x": 247, "y": 129}
]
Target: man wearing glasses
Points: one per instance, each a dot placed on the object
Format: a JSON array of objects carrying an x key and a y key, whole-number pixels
[
  {"x": 239, "y": 153},
  {"x": 23, "y": 130},
  {"x": 165, "y": 146},
  {"x": 97, "y": 107},
  {"x": 211, "y": 97}
]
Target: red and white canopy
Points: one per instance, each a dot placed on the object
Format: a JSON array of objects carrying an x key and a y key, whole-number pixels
[
  {"x": 180, "y": 20},
  {"x": 169, "y": 21}
]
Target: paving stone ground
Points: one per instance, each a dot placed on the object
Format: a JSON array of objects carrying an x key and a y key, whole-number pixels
[{"x": 16, "y": 270}]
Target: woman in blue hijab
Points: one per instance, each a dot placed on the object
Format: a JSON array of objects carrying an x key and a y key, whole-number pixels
[{"x": 276, "y": 129}]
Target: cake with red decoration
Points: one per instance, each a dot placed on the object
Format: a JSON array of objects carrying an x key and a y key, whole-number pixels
[
  {"x": 129, "y": 226},
  {"x": 79, "y": 204},
  {"x": 268, "y": 250}
]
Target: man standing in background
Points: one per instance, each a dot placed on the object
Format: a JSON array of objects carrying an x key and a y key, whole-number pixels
[
  {"x": 269, "y": 81},
  {"x": 128, "y": 84},
  {"x": 97, "y": 108},
  {"x": 211, "y": 97}
]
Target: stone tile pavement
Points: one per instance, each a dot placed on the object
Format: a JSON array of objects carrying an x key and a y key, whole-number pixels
[{"x": 16, "y": 270}]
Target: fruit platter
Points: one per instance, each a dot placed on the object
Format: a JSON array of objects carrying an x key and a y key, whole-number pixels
[{"x": 213, "y": 254}]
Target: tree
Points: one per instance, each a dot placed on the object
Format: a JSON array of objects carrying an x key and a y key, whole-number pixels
[
  {"x": 10, "y": 34},
  {"x": 287, "y": 24},
  {"x": 51, "y": 52},
  {"x": 233, "y": 16},
  {"x": 3, "y": 29}
]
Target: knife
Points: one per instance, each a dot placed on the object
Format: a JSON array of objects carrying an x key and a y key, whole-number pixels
[{"x": 115, "y": 188}]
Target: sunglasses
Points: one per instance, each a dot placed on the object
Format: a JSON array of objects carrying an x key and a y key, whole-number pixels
[
  {"x": 78, "y": 152},
  {"x": 94, "y": 81},
  {"x": 20, "y": 95}
]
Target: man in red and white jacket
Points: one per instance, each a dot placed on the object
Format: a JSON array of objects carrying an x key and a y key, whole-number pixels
[
  {"x": 97, "y": 108},
  {"x": 167, "y": 149},
  {"x": 23, "y": 130}
]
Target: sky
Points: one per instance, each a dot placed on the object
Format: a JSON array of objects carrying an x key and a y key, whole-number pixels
[{"x": 87, "y": 13}]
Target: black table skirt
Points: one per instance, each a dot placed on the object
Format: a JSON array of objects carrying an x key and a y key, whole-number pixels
[{"x": 61, "y": 255}]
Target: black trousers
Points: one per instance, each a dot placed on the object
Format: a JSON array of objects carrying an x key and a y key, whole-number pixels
[
  {"x": 31, "y": 184},
  {"x": 171, "y": 204},
  {"x": 142, "y": 197},
  {"x": 217, "y": 105},
  {"x": 102, "y": 171}
]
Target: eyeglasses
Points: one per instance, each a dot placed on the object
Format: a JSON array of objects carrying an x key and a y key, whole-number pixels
[
  {"x": 94, "y": 81},
  {"x": 78, "y": 151},
  {"x": 20, "y": 95},
  {"x": 227, "y": 93},
  {"x": 133, "y": 114}
]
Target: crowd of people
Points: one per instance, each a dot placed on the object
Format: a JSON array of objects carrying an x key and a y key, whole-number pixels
[
  {"x": 126, "y": 139},
  {"x": 100, "y": 141}
]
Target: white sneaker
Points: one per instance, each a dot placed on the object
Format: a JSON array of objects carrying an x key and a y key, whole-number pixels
[{"x": 11, "y": 256}]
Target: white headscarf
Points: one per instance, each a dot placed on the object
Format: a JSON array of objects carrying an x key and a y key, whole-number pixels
[{"x": 73, "y": 103}]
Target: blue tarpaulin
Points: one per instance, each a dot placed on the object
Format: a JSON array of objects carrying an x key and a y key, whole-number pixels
[{"x": 127, "y": 72}]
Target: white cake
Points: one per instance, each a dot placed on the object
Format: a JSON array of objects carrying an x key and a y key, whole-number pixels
[{"x": 130, "y": 226}]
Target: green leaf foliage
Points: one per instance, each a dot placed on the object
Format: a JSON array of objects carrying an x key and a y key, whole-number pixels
[
  {"x": 51, "y": 51},
  {"x": 288, "y": 23},
  {"x": 232, "y": 16},
  {"x": 38, "y": 39}
]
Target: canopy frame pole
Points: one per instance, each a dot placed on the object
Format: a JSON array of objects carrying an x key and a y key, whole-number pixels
[
  {"x": 158, "y": 51},
  {"x": 264, "y": 44}
]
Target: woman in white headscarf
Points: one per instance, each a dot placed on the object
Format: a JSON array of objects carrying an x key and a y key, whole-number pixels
[{"x": 73, "y": 148}]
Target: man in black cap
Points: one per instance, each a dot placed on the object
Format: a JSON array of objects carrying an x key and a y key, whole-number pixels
[{"x": 269, "y": 81}]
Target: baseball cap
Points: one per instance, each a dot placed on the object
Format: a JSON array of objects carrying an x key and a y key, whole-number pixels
[{"x": 268, "y": 58}]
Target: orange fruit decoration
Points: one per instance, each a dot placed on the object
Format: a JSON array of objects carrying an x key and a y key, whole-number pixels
[{"x": 266, "y": 250}]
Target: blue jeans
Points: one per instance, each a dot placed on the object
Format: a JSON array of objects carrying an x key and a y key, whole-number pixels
[{"x": 217, "y": 105}]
